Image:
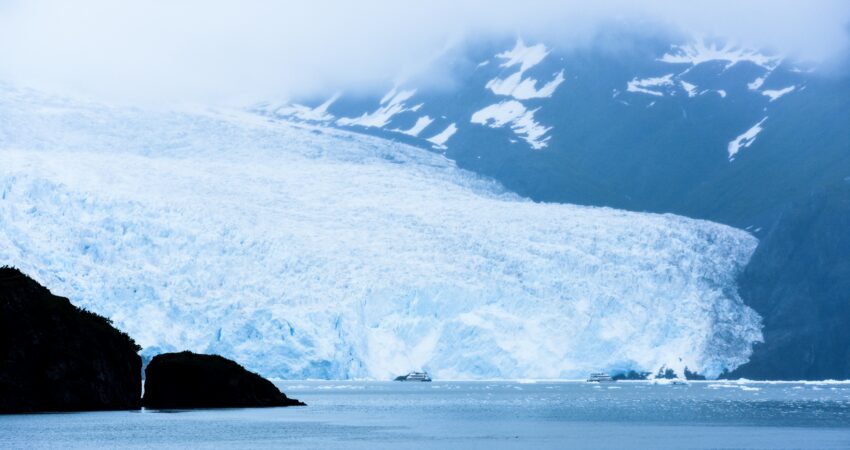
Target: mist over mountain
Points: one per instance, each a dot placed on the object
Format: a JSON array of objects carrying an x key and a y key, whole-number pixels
[{"x": 217, "y": 52}]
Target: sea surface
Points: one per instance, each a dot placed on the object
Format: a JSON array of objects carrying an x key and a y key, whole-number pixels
[{"x": 486, "y": 415}]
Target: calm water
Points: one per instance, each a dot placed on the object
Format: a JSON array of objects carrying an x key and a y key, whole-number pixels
[{"x": 475, "y": 415}]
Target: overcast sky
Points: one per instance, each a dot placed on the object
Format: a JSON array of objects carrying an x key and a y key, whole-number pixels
[{"x": 238, "y": 51}]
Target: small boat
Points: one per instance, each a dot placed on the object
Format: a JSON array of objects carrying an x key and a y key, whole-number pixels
[
  {"x": 600, "y": 377},
  {"x": 679, "y": 382},
  {"x": 414, "y": 376}
]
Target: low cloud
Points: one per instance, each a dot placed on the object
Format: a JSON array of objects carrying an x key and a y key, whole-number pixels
[{"x": 242, "y": 51}]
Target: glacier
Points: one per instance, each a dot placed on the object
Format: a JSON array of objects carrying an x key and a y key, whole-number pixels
[{"x": 310, "y": 252}]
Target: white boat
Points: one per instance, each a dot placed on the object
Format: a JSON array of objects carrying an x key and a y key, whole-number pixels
[
  {"x": 414, "y": 376},
  {"x": 600, "y": 377}
]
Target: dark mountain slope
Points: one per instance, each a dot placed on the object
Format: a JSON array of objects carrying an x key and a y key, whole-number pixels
[{"x": 799, "y": 281}]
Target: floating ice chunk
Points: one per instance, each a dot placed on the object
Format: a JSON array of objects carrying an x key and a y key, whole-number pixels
[
  {"x": 515, "y": 115},
  {"x": 721, "y": 93},
  {"x": 392, "y": 104},
  {"x": 775, "y": 94},
  {"x": 744, "y": 140},
  {"x": 641, "y": 85},
  {"x": 441, "y": 138}
]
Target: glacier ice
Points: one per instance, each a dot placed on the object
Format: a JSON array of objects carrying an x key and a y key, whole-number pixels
[{"x": 308, "y": 252}]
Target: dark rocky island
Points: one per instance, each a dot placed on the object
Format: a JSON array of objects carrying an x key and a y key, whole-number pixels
[
  {"x": 190, "y": 380},
  {"x": 55, "y": 356}
]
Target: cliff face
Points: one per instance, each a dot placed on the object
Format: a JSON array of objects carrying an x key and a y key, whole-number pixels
[
  {"x": 57, "y": 357},
  {"x": 190, "y": 380},
  {"x": 799, "y": 282}
]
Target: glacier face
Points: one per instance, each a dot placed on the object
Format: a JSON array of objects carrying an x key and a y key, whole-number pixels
[{"x": 307, "y": 252}]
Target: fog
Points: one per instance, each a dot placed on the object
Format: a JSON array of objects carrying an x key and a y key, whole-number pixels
[{"x": 243, "y": 51}]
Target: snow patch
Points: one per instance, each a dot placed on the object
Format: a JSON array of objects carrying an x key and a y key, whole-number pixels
[
  {"x": 641, "y": 85},
  {"x": 698, "y": 52},
  {"x": 392, "y": 104},
  {"x": 691, "y": 89},
  {"x": 515, "y": 85},
  {"x": 524, "y": 88},
  {"x": 441, "y": 138},
  {"x": 300, "y": 112},
  {"x": 755, "y": 84},
  {"x": 744, "y": 140},
  {"x": 775, "y": 94},
  {"x": 421, "y": 124},
  {"x": 518, "y": 87},
  {"x": 515, "y": 115},
  {"x": 522, "y": 55}
]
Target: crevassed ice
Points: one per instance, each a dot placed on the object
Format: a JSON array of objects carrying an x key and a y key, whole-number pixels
[{"x": 310, "y": 252}]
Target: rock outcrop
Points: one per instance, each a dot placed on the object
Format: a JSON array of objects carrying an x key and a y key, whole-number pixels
[
  {"x": 190, "y": 380},
  {"x": 55, "y": 356}
]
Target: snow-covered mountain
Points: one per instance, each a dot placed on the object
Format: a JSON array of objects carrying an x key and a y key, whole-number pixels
[
  {"x": 304, "y": 251},
  {"x": 516, "y": 84},
  {"x": 726, "y": 126},
  {"x": 697, "y": 127}
]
